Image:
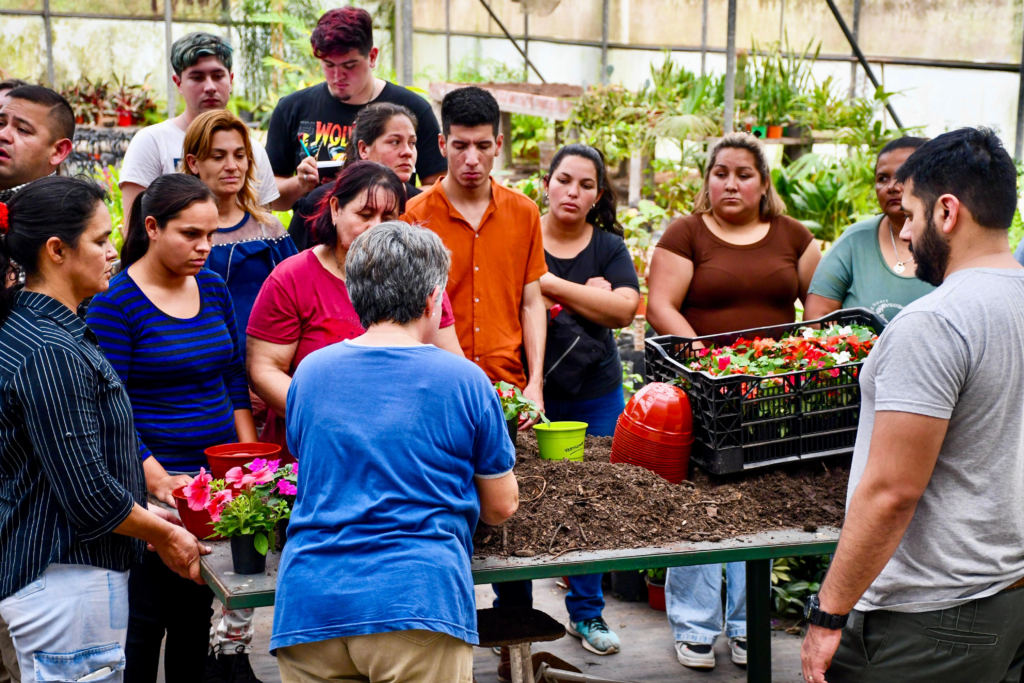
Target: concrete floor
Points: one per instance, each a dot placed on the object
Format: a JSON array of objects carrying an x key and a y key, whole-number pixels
[{"x": 647, "y": 649}]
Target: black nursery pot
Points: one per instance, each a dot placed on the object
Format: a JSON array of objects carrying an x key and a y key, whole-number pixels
[
  {"x": 281, "y": 534},
  {"x": 244, "y": 557},
  {"x": 513, "y": 429}
]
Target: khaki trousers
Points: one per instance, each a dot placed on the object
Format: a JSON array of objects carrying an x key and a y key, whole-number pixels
[{"x": 393, "y": 657}]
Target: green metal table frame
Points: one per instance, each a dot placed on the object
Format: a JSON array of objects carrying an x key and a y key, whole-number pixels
[{"x": 757, "y": 550}]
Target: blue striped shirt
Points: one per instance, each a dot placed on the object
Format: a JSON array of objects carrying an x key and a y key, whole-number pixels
[
  {"x": 70, "y": 471},
  {"x": 185, "y": 378}
]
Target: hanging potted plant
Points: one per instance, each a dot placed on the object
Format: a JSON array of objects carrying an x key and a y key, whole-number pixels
[{"x": 515, "y": 406}]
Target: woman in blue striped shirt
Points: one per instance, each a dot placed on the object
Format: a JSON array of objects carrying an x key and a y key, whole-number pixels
[{"x": 168, "y": 327}]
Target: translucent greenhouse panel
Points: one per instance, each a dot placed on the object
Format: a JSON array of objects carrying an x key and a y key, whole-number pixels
[
  {"x": 570, "y": 20},
  {"x": 23, "y": 46},
  {"x": 100, "y": 49},
  {"x": 21, "y": 5},
  {"x": 943, "y": 29}
]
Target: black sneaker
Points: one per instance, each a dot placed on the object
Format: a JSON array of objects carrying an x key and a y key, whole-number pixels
[
  {"x": 234, "y": 667},
  {"x": 214, "y": 673}
]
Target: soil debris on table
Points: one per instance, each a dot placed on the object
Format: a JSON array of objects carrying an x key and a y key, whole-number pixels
[{"x": 598, "y": 505}]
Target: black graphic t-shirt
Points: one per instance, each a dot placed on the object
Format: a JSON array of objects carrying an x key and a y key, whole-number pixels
[{"x": 311, "y": 122}]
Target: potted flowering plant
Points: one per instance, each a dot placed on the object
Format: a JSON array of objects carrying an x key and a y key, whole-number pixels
[
  {"x": 515, "y": 406},
  {"x": 245, "y": 507}
]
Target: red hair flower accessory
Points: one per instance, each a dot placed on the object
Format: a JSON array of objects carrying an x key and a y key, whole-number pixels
[{"x": 4, "y": 223}]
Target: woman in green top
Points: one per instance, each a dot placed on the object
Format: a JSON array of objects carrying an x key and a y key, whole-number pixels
[{"x": 870, "y": 266}]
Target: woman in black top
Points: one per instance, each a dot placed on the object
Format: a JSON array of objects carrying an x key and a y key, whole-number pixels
[
  {"x": 592, "y": 279},
  {"x": 383, "y": 132},
  {"x": 591, "y": 275},
  {"x": 72, "y": 487}
]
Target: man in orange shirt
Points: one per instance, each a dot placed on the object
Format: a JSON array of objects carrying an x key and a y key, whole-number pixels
[{"x": 497, "y": 251}]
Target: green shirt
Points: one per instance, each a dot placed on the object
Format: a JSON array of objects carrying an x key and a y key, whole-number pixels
[{"x": 855, "y": 273}]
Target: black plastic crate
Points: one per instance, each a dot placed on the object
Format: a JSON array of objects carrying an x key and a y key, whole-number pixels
[{"x": 739, "y": 424}]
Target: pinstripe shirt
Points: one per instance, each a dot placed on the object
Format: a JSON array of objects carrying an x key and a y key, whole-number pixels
[{"x": 70, "y": 466}]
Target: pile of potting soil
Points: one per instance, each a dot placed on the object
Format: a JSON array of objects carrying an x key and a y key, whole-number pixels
[{"x": 599, "y": 505}]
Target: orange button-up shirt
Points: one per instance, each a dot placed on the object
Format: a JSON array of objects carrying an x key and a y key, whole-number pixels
[{"x": 490, "y": 267}]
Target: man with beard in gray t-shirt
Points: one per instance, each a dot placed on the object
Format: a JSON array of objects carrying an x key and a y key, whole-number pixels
[{"x": 931, "y": 557}]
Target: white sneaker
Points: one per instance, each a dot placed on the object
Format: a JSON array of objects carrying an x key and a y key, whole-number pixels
[
  {"x": 738, "y": 646},
  {"x": 695, "y": 655}
]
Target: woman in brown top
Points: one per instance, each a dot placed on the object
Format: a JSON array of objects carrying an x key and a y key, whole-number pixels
[{"x": 736, "y": 263}]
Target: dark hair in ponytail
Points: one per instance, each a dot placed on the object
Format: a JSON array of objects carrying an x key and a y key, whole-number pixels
[
  {"x": 56, "y": 206},
  {"x": 164, "y": 200},
  {"x": 603, "y": 213}
]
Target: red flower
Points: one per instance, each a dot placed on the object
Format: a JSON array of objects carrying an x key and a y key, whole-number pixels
[{"x": 4, "y": 223}]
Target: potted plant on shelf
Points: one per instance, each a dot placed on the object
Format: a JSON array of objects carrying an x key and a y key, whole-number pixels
[{"x": 515, "y": 406}]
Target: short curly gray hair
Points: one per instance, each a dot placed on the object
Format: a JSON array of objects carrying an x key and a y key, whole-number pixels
[
  {"x": 187, "y": 50},
  {"x": 391, "y": 269}
]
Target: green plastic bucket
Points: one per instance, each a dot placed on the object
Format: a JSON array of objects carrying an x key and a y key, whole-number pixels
[{"x": 561, "y": 440}]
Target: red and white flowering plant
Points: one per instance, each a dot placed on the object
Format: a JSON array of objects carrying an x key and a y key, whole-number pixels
[{"x": 516, "y": 405}]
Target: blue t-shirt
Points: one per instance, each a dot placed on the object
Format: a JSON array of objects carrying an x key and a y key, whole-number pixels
[
  {"x": 185, "y": 378},
  {"x": 389, "y": 440}
]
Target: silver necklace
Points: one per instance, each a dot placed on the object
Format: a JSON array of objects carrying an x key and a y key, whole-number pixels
[{"x": 900, "y": 265}]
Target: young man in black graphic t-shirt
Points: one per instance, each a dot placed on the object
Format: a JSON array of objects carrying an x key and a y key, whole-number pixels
[{"x": 318, "y": 121}]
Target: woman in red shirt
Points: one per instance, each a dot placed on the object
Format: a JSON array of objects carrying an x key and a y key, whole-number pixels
[{"x": 304, "y": 304}]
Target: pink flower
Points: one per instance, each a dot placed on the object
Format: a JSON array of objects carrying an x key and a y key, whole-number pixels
[
  {"x": 702, "y": 352},
  {"x": 274, "y": 466},
  {"x": 257, "y": 464},
  {"x": 723, "y": 362},
  {"x": 262, "y": 476},
  {"x": 834, "y": 372},
  {"x": 218, "y": 502},
  {"x": 198, "y": 490},
  {"x": 286, "y": 488},
  {"x": 238, "y": 478},
  {"x": 295, "y": 468}
]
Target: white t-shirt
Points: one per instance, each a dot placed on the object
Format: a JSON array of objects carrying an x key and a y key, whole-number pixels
[{"x": 156, "y": 150}]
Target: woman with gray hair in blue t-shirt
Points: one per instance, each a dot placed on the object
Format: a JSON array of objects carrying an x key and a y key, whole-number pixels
[{"x": 404, "y": 447}]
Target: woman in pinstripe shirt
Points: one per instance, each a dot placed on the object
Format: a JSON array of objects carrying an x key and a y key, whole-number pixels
[{"x": 72, "y": 488}]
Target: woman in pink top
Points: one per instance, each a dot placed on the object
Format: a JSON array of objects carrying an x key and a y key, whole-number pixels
[{"x": 304, "y": 305}]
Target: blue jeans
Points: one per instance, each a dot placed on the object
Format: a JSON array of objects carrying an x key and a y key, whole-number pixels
[
  {"x": 585, "y": 599},
  {"x": 599, "y": 413},
  {"x": 693, "y": 599},
  {"x": 69, "y": 623}
]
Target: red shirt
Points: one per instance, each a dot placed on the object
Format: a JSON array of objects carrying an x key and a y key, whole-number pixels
[{"x": 302, "y": 302}]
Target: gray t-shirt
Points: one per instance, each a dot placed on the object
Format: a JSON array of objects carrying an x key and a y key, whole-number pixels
[{"x": 956, "y": 354}]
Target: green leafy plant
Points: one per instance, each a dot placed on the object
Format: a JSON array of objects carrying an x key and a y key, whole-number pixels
[
  {"x": 827, "y": 193},
  {"x": 109, "y": 178},
  {"x": 630, "y": 379},
  {"x": 638, "y": 225},
  {"x": 516, "y": 405},
  {"x": 532, "y": 187},
  {"x": 779, "y": 82},
  {"x": 527, "y": 133},
  {"x": 657, "y": 576},
  {"x": 793, "y": 579}
]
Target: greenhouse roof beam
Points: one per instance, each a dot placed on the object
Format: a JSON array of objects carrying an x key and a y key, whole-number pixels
[
  {"x": 861, "y": 58},
  {"x": 513, "y": 40}
]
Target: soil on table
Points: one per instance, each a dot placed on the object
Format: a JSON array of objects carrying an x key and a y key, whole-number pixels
[
  {"x": 599, "y": 505},
  {"x": 545, "y": 89}
]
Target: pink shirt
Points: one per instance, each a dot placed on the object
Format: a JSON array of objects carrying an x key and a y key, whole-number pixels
[{"x": 302, "y": 302}]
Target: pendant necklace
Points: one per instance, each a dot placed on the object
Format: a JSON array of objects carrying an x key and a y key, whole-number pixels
[{"x": 900, "y": 265}]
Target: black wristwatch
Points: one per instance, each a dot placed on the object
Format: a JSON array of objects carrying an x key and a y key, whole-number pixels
[{"x": 814, "y": 615}]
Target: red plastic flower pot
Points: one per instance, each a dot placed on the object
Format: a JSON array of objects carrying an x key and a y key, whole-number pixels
[
  {"x": 196, "y": 522},
  {"x": 656, "y": 595},
  {"x": 222, "y": 458}
]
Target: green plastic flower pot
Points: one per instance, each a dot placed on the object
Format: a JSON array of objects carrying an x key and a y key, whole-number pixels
[{"x": 561, "y": 440}]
